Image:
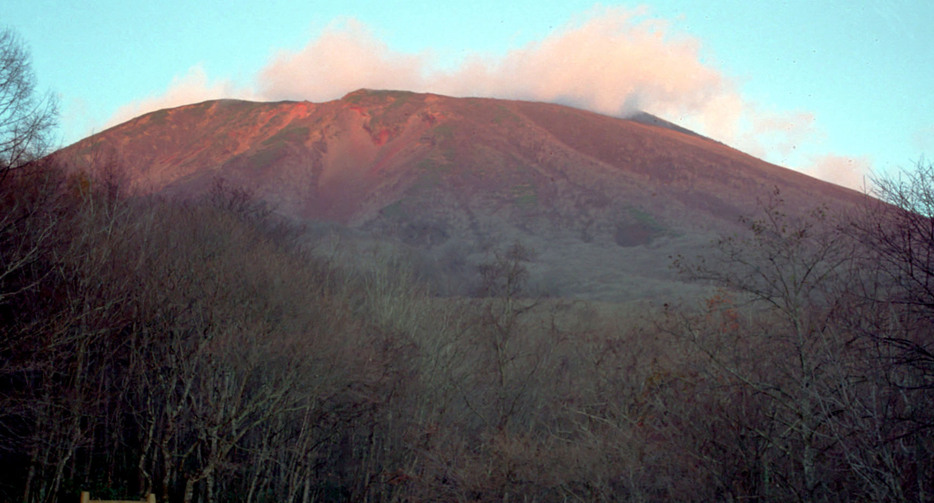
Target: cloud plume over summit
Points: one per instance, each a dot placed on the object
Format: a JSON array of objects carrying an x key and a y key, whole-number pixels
[
  {"x": 613, "y": 61},
  {"x": 345, "y": 57}
]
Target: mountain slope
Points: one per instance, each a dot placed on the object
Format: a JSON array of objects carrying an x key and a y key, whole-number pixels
[{"x": 603, "y": 200}]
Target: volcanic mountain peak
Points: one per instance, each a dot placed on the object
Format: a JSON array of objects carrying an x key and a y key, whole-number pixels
[{"x": 452, "y": 177}]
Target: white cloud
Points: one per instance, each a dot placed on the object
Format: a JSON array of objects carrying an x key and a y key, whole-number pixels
[
  {"x": 612, "y": 61},
  {"x": 852, "y": 172},
  {"x": 76, "y": 119},
  {"x": 193, "y": 87},
  {"x": 346, "y": 57}
]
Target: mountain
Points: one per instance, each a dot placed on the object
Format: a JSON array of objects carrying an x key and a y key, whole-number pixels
[{"x": 603, "y": 201}]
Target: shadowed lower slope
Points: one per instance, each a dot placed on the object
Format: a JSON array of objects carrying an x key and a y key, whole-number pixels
[{"x": 604, "y": 201}]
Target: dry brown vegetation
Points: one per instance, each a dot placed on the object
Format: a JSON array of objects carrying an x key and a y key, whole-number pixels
[{"x": 198, "y": 351}]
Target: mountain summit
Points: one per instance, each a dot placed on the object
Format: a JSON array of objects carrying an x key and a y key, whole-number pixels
[{"x": 604, "y": 201}]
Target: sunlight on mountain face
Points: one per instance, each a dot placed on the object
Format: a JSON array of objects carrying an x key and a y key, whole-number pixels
[
  {"x": 436, "y": 174},
  {"x": 615, "y": 61}
]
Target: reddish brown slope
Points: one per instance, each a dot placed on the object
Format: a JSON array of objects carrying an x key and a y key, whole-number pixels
[{"x": 453, "y": 176}]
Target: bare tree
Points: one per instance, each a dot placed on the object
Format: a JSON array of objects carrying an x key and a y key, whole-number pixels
[
  {"x": 26, "y": 122},
  {"x": 788, "y": 277},
  {"x": 26, "y": 119},
  {"x": 898, "y": 231}
]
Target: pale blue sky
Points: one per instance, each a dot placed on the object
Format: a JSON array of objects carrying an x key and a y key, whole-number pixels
[{"x": 831, "y": 88}]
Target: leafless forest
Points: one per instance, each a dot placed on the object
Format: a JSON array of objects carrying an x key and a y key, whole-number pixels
[{"x": 202, "y": 351}]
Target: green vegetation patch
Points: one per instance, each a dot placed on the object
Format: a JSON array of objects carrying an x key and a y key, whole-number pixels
[
  {"x": 158, "y": 117},
  {"x": 427, "y": 180},
  {"x": 288, "y": 134},
  {"x": 645, "y": 219},
  {"x": 395, "y": 211},
  {"x": 640, "y": 228},
  {"x": 443, "y": 132},
  {"x": 433, "y": 166},
  {"x": 404, "y": 95},
  {"x": 525, "y": 195},
  {"x": 503, "y": 114},
  {"x": 358, "y": 97},
  {"x": 264, "y": 158},
  {"x": 400, "y": 98}
]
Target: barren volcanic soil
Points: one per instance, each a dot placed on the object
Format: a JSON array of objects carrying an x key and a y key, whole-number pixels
[{"x": 604, "y": 202}]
